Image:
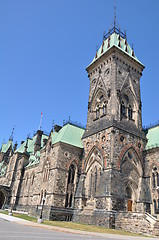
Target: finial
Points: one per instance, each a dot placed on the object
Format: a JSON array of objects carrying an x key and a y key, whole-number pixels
[
  {"x": 125, "y": 35},
  {"x": 114, "y": 15},
  {"x": 28, "y": 136},
  {"x": 69, "y": 119},
  {"x": 96, "y": 51},
  {"x": 11, "y": 136},
  {"x": 103, "y": 35},
  {"x": 133, "y": 54},
  {"x": 63, "y": 122},
  {"x": 53, "y": 124}
]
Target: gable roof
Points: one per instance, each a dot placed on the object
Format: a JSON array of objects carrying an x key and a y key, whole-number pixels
[
  {"x": 6, "y": 146},
  {"x": 152, "y": 135},
  {"x": 30, "y": 144},
  {"x": 69, "y": 134}
]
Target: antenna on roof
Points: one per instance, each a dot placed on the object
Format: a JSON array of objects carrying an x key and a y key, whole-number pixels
[
  {"x": 11, "y": 136},
  {"x": 114, "y": 15},
  {"x": 40, "y": 121}
]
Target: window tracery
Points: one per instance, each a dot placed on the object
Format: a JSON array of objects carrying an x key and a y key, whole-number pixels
[
  {"x": 46, "y": 171},
  {"x": 70, "y": 185},
  {"x": 126, "y": 108}
]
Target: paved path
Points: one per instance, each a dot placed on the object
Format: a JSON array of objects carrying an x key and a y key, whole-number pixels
[{"x": 26, "y": 230}]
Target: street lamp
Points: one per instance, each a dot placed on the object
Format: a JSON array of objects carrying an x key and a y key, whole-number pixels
[{"x": 40, "y": 219}]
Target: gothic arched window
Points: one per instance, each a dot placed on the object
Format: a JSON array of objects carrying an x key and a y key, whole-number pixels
[
  {"x": 123, "y": 110},
  {"x": 104, "y": 108},
  {"x": 155, "y": 206},
  {"x": 129, "y": 112},
  {"x": 70, "y": 186},
  {"x": 46, "y": 171},
  {"x": 97, "y": 112},
  {"x": 95, "y": 181},
  {"x": 153, "y": 180}
]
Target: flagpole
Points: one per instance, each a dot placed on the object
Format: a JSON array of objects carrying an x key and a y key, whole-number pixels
[{"x": 40, "y": 121}]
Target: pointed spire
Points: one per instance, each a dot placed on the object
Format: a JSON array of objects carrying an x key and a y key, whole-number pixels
[
  {"x": 133, "y": 54},
  {"x": 102, "y": 46},
  {"x": 53, "y": 123},
  {"x": 11, "y": 136},
  {"x": 96, "y": 52},
  {"x": 109, "y": 40},
  {"x": 114, "y": 15}
]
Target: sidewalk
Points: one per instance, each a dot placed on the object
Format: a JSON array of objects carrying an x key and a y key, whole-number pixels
[{"x": 32, "y": 224}]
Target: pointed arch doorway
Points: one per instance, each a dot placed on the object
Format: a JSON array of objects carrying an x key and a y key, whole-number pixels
[{"x": 129, "y": 199}]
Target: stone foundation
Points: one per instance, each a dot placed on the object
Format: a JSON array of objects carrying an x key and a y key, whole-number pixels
[{"x": 133, "y": 222}]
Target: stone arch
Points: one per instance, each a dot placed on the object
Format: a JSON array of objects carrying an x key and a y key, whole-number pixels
[
  {"x": 95, "y": 154},
  {"x": 131, "y": 174},
  {"x": 99, "y": 103},
  {"x": 46, "y": 170},
  {"x": 71, "y": 185},
  {"x": 129, "y": 101},
  {"x": 126, "y": 149},
  {"x": 93, "y": 165}
]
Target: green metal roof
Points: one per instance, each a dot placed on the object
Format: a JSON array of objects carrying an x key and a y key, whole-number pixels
[
  {"x": 118, "y": 40},
  {"x": 6, "y": 146},
  {"x": 30, "y": 144},
  {"x": 152, "y": 135},
  {"x": 69, "y": 134}
]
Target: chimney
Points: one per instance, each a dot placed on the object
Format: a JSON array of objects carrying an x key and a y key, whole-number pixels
[
  {"x": 44, "y": 142},
  {"x": 57, "y": 128},
  {"x": 37, "y": 144},
  {"x": 15, "y": 146}
]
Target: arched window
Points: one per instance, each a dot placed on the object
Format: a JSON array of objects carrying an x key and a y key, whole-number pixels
[
  {"x": 153, "y": 180},
  {"x": 26, "y": 179},
  {"x": 95, "y": 181},
  {"x": 123, "y": 110},
  {"x": 155, "y": 206},
  {"x": 46, "y": 171},
  {"x": 70, "y": 186},
  {"x": 97, "y": 112},
  {"x": 32, "y": 178},
  {"x": 104, "y": 108},
  {"x": 130, "y": 112}
]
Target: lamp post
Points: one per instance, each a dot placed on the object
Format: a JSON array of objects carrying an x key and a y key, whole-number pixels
[{"x": 40, "y": 219}]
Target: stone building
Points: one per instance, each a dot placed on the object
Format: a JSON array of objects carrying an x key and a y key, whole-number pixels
[{"x": 106, "y": 174}]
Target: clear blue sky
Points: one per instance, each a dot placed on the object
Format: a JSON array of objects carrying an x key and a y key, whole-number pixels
[{"x": 45, "y": 47}]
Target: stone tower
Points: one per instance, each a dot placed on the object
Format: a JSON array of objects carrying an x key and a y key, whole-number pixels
[{"x": 114, "y": 170}]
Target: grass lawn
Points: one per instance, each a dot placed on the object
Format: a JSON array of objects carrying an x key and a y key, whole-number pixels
[{"x": 72, "y": 225}]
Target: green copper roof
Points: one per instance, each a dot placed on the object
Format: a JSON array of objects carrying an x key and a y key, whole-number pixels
[
  {"x": 6, "y": 146},
  {"x": 152, "y": 135},
  {"x": 69, "y": 134},
  {"x": 118, "y": 40},
  {"x": 30, "y": 144}
]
